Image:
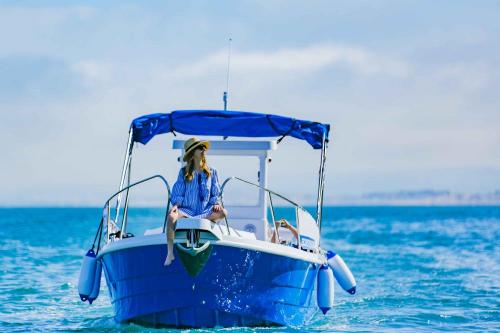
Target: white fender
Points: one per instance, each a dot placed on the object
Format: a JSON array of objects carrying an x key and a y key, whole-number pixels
[
  {"x": 97, "y": 282},
  {"x": 87, "y": 275},
  {"x": 325, "y": 291},
  {"x": 342, "y": 273}
]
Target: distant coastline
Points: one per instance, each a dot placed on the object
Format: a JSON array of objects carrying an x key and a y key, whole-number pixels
[
  {"x": 424, "y": 197},
  {"x": 417, "y": 198}
]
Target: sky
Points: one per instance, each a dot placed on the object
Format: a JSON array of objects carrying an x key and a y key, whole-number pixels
[{"x": 410, "y": 88}]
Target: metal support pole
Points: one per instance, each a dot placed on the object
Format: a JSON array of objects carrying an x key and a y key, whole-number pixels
[
  {"x": 321, "y": 183},
  {"x": 222, "y": 205},
  {"x": 126, "y": 161},
  {"x": 322, "y": 187},
  {"x": 274, "y": 218},
  {"x": 325, "y": 143},
  {"x": 125, "y": 207},
  {"x": 299, "y": 246},
  {"x": 106, "y": 212}
]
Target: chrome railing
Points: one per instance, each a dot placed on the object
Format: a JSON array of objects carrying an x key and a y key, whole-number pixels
[
  {"x": 113, "y": 224},
  {"x": 270, "y": 193}
]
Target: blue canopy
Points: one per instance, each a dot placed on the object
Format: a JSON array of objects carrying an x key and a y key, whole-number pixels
[{"x": 228, "y": 123}]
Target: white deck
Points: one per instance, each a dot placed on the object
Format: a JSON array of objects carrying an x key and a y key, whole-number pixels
[{"x": 233, "y": 240}]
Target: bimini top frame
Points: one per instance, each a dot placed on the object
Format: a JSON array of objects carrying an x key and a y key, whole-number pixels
[{"x": 225, "y": 124}]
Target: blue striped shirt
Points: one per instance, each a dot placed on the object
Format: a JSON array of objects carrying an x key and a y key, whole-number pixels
[{"x": 197, "y": 197}]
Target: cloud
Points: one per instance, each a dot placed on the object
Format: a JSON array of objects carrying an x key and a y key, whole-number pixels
[
  {"x": 464, "y": 77},
  {"x": 92, "y": 71},
  {"x": 306, "y": 60},
  {"x": 28, "y": 78},
  {"x": 73, "y": 77},
  {"x": 17, "y": 15},
  {"x": 47, "y": 31}
]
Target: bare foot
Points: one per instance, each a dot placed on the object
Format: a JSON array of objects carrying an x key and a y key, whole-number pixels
[{"x": 168, "y": 260}]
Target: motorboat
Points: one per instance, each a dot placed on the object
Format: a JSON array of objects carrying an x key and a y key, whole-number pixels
[{"x": 241, "y": 271}]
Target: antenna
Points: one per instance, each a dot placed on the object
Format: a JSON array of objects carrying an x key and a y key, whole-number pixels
[{"x": 224, "y": 97}]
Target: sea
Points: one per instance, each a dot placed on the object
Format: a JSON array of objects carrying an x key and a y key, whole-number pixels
[{"x": 418, "y": 269}]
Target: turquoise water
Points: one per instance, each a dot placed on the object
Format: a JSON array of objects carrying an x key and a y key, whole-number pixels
[{"x": 418, "y": 269}]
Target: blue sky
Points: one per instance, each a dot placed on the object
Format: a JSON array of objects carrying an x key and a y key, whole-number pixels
[{"x": 409, "y": 87}]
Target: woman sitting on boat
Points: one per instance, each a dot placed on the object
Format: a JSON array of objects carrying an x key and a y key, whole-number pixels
[{"x": 195, "y": 192}]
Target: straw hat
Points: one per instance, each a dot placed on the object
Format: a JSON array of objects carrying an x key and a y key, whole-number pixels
[{"x": 191, "y": 144}]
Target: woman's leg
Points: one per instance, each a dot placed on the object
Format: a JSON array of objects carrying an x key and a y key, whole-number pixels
[{"x": 171, "y": 220}]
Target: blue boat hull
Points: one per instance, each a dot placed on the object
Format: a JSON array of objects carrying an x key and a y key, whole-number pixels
[{"x": 237, "y": 287}]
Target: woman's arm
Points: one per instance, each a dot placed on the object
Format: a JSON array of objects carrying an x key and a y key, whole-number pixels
[
  {"x": 284, "y": 224},
  {"x": 293, "y": 230},
  {"x": 214, "y": 188},
  {"x": 179, "y": 189}
]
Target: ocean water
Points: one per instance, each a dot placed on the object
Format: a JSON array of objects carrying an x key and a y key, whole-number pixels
[{"x": 418, "y": 269}]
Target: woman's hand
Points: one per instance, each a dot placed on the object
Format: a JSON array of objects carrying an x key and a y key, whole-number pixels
[
  {"x": 217, "y": 208},
  {"x": 282, "y": 223},
  {"x": 173, "y": 209}
]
